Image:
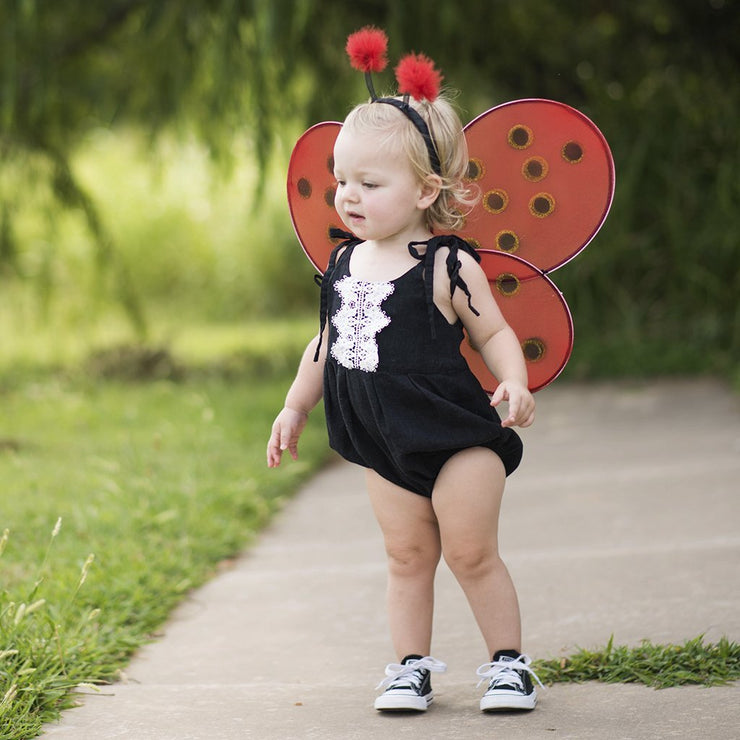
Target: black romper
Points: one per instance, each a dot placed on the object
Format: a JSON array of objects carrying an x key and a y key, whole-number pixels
[{"x": 398, "y": 395}]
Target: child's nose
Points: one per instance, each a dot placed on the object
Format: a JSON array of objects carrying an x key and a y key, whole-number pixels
[{"x": 351, "y": 192}]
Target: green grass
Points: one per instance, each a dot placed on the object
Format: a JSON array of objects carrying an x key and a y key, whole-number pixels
[
  {"x": 659, "y": 666},
  {"x": 118, "y": 498}
]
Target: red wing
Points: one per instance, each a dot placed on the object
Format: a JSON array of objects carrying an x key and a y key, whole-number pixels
[
  {"x": 546, "y": 178},
  {"x": 536, "y": 311},
  {"x": 311, "y": 188}
]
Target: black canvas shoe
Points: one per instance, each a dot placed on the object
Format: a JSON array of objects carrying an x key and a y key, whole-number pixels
[
  {"x": 509, "y": 682},
  {"x": 408, "y": 684}
]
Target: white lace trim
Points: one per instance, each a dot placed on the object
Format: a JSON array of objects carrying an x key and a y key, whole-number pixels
[{"x": 358, "y": 321}]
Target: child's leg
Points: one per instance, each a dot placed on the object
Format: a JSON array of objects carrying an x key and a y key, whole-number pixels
[
  {"x": 467, "y": 499},
  {"x": 412, "y": 544}
]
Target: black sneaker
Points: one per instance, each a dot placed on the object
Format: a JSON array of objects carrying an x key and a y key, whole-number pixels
[
  {"x": 509, "y": 682},
  {"x": 408, "y": 685}
]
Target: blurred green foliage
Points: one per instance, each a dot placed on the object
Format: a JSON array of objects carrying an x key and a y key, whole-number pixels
[{"x": 656, "y": 292}]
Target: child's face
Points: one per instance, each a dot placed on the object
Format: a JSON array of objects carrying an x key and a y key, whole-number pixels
[{"x": 379, "y": 197}]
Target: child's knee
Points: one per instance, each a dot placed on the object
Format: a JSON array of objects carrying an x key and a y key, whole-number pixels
[
  {"x": 469, "y": 561},
  {"x": 410, "y": 560}
]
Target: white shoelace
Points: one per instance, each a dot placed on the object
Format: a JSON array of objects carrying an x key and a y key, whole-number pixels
[
  {"x": 411, "y": 671},
  {"x": 505, "y": 671}
]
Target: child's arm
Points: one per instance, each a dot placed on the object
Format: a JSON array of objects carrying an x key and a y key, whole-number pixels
[
  {"x": 493, "y": 338},
  {"x": 304, "y": 394},
  {"x": 502, "y": 354}
]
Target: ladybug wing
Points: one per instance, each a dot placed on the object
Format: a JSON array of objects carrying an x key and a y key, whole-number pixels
[
  {"x": 546, "y": 177},
  {"x": 536, "y": 311},
  {"x": 311, "y": 187}
]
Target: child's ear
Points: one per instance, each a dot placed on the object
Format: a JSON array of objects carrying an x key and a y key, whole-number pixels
[{"x": 430, "y": 189}]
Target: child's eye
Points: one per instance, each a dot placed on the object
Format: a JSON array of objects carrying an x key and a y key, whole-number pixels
[
  {"x": 340, "y": 183},
  {"x": 369, "y": 185}
]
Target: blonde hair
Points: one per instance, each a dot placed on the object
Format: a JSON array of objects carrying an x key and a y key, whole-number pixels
[{"x": 456, "y": 198}]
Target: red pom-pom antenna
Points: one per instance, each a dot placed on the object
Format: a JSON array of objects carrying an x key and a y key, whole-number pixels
[
  {"x": 418, "y": 78},
  {"x": 366, "y": 49}
]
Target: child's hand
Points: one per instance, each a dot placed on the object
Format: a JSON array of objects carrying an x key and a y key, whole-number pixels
[
  {"x": 521, "y": 403},
  {"x": 286, "y": 430}
]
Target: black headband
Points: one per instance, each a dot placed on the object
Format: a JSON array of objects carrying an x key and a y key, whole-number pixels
[{"x": 421, "y": 127}]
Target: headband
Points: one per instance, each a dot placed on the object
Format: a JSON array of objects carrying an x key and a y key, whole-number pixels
[{"x": 415, "y": 74}]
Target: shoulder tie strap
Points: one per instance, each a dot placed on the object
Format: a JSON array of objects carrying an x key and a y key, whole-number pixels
[
  {"x": 347, "y": 240},
  {"x": 454, "y": 244}
]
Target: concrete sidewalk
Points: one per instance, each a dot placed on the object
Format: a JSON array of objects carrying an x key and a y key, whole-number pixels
[{"x": 623, "y": 519}]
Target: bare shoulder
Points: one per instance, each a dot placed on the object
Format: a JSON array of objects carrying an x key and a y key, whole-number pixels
[{"x": 469, "y": 264}]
